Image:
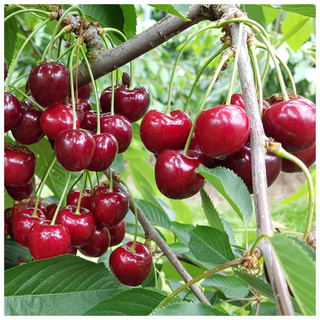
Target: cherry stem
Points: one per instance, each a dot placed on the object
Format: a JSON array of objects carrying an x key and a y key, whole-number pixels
[
  {"x": 64, "y": 193},
  {"x": 28, "y": 10},
  {"x": 90, "y": 182},
  {"x": 110, "y": 180},
  {"x": 66, "y": 52},
  {"x": 97, "y": 178},
  {"x": 16, "y": 59},
  {"x": 77, "y": 180},
  {"x": 19, "y": 79},
  {"x": 234, "y": 71},
  {"x": 36, "y": 104},
  {"x": 112, "y": 95},
  {"x": 204, "y": 67},
  {"x": 255, "y": 245},
  {"x": 265, "y": 71},
  {"x": 224, "y": 57},
  {"x": 81, "y": 192},
  {"x": 277, "y": 149},
  {"x": 72, "y": 88}
]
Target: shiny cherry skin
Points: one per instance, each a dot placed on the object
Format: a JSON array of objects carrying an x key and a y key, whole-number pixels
[
  {"x": 74, "y": 149},
  {"x": 176, "y": 175},
  {"x": 222, "y": 130},
  {"x": 105, "y": 151},
  {"x": 292, "y": 123},
  {"x": 83, "y": 106},
  {"x": 85, "y": 91},
  {"x": 19, "y": 165},
  {"x": 23, "y": 208},
  {"x": 207, "y": 161},
  {"x": 49, "y": 83},
  {"x": 28, "y": 130},
  {"x": 51, "y": 209},
  {"x": 21, "y": 192},
  {"x": 47, "y": 241},
  {"x": 7, "y": 218},
  {"x": 237, "y": 99},
  {"x": 89, "y": 121},
  {"x": 120, "y": 127},
  {"x": 110, "y": 208},
  {"x": 131, "y": 268},
  {"x": 73, "y": 198},
  {"x": 98, "y": 244},
  {"x": 240, "y": 163},
  {"x": 117, "y": 233},
  {"x": 12, "y": 111},
  {"x": 308, "y": 157},
  {"x": 159, "y": 131},
  {"x": 80, "y": 225},
  {"x": 56, "y": 119}
]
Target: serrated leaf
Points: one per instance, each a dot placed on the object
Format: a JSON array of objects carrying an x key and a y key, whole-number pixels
[
  {"x": 300, "y": 271},
  {"x": 64, "y": 285},
  {"x": 179, "y": 10},
  {"x": 182, "y": 231},
  {"x": 308, "y": 10},
  {"x": 210, "y": 246},
  {"x": 14, "y": 254},
  {"x": 10, "y": 38},
  {"x": 231, "y": 187},
  {"x": 130, "y": 19}
]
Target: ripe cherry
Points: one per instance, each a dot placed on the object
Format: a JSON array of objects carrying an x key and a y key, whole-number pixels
[
  {"x": 23, "y": 207},
  {"x": 117, "y": 233},
  {"x": 85, "y": 91},
  {"x": 159, "y": 131},
  {"x": 89, "y": 121},
  {"x": 7, "y": 218},
  {"x": 21, "y": 192},
  {"x": 6, "y": 229},
  {"x": 74, "y": 149},
  {"x": 73, "y": 198},
  {"x": 51, "y": 209},
  {"x": 49, "y": 83},
  {"x": 237, "y": 99},
  {"x": 12, "y": 111},
  {"x": 82, "y": 106},
  {"x": 175, "y": 174},
  {"x": 194, "y": 145},
  {"x": 131, "y": 268}
]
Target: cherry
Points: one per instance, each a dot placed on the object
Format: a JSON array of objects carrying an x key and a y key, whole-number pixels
[
  {"x": 12, "y": 111},
  {"x": 131, "y": 268},
  {"x": 49, "y": 83},
  {"x": 19, "y": 165},
  {"x": 46, "y": 241},
  {"x": 6, "y": 229},
  {"x": 56, "y": 119},
  {"x": 7, "y": 218},
  {"x": 120, "y": 127},
  {"x": 240, "y": 163},
  {"x": 89, "y": 121},
  {"x": 25, "y": 208},
  {"x": 73, "y": 250},
  {"x": 28, "y": 130},
  {"x": 51, "y": 209},
  {"x": 105, "y": 151},
  {"x": 85, "y": 91},
  {"x": 194, "y": 145},
  {"x": 175, "y": 174},
  {"x": 80, "y": 225},
  {"x": 73, "y": 198},
  {"x": 237, "y": 99},
  {"x": 83, "y": 106},
  {"x": 98, "y": 244},
  {"x": 74, "y": 149},
  {"x": 308, "y": 157},
  {"x": 159, "y": 131},
  {"x": 117, "y": 233},
  {"x": 222, "y": 130},
  {"x": 22, "y": 191},
  {"x": 109, "y": 207},
  {"x": 292, "y": 123}
]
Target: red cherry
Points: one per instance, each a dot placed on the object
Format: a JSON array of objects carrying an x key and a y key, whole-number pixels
[
  {"x": 89, "y": 121},
  {"x": 83, "y": 106},
  {"x": 73, "y": 198},
  {"x": 25, "y": 208},
  {"x": 12, "y": 111},
  {"x": 308, "y": 157},
  {"x": 175, "y": 174},
  {"x": 105, "y": 151},
  {"x": 46, "y": 241},
  {"x": 98, "y": 244},
  {"x": 159, "y": 131},
  {"x": 85, "y": 91},
  {"x": 117, "y": 233},
  {"x": 56, "y": 119},
  {"x": 208, "y": 162},
  {"x": 292, "y": 123},
  {"x": 51, "y": 209},
  {"x": 19, "y": 165},
  {"x": 237, "y": 99},
  {"x": 74, "y": 149},
  {"x": 222, "y": 130},
  {"x": 120, "y": 127},
  {"x": 7, "y": 217},
  {"x": 6, "y": 229},
  {"x": 73, "y": 250},
  {"x": 21, "y": 192},
  {"x": 131, "y": 268},
  {"x": 81, "y": 226},
  {"x": 49, "y": 83}
]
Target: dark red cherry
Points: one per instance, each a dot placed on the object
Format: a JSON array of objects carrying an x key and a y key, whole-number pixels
[
  {"x": 23, "y": 207},
  {"x": 292, "y": 123},
  {"x": 240, "y": 163},
  {"x": 105, "y": 151},
  {"x": 12, "y": 111},
  {"x": 85, "y": 91},
  {"x": 89, "y": 121},
  {"x": 98, "y": 244},
  {"x": 7, "y": 217},
  {"x": 51, "y": 209},
  {"x": 21, "y": 192},
  {"x": 46, "y": 241},
  {"x": 73, "y": 198},
  {"x": 73, "y": 250},
  {"x": 159, "y": 131},
  {"x": 80, "y": 225},
  {"x": 49, "y": 83},
  {"x": 83, "y": 106},
  {"x": 120, "y": 127},
  {"x": 237, "y": 99},
  {"x": 6, "y": 229},
  {"x": 19, "y": 165},
  {"x": 56, "y": 119},
  {"x": 175, "y": 174},
  {"x": 207, "y": 161},
  {"x": 117, "y": 233},
  {"x": 308, "y": 157},
  {"x": 222, "y": 130},
  {"x": 131, "y": 268},
  {"x": 110, "y": 208},
  {"x": 74, "y": 149}
]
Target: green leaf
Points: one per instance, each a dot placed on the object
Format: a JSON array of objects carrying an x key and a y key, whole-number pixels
[
  {"x": 130, "y": 20},
  {"x": 118, "y": 163},
  {"x": 210, "y": 246},
  {"x": 308, "y": 10},
  {"x": 266, "y": 308},
  {"x": 64, "y": 285},
  {"x": 300, "y": 271},
  {"x": 179, "y": 10},
  {"x": 10, "y": 38},
  {"x": 231, "y": 187},
  {"x": 14, "y": 254},
  {"x": 132, "y": 302}
]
